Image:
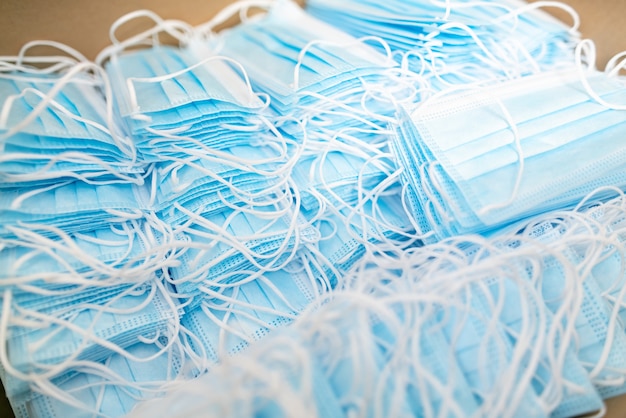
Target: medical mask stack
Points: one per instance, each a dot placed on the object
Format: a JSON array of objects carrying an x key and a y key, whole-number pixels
[
  {"x": 543, "y": 142},
  {"x": 460, "y": 42},
  {"x": 82, "y": 255},
  {"x": 167, "y": 208},
  {"x": 334, "y": 85},
  {"x": 517, "y": 325},
  {"x": 221, "y": 180},
  {"x": 519, "y": 68},
  {"x": 57, "y": 126},
  {"x": 64, "y": 162}
]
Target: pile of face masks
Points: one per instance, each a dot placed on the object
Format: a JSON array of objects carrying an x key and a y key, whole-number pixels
[
  {"x": 523, "y": 158},
  {"x": 221, "y": 181},
  {"x": 56, "y": 126},
  {"x": 334, "y": 84},
  {"x": 460, "y": 42},
  {"x": 82, "y": 255},
  {"x": 520, "y": 324},
  {"x": 165, "y": 209}
]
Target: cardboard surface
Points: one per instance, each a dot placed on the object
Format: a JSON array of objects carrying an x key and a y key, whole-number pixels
[
  {"x": 603, "y": 21},
  {"x": 84, "y": 25}
]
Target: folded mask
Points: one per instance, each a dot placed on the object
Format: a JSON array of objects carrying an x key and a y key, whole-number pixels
[
  {"x": 475, "y": 40},
  {"x": 72, "y": 206},
  {"x": 485, "y": 189},
  {"x": 300, "y": 54},
  {"x": 111, "y": 388},
  {"x": 170, "y": 97},
  {"x": 73, "y": 135}
]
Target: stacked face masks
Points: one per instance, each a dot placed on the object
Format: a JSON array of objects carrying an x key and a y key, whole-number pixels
[
  {"x": 240, "y": 315},
  {"x": 109, "y": 388},
  {"x": 172, "y": 99},
  {"x": 278, "y": 211},
  {"x": 70, "y": 301},
  {"x": 58, "y": 126},
  {"x": 82, "y": 253},
  {"x": 302, "y": 55},
  {"x": 221, "y": 178},
  {"x": 64, "y": 161},
  {"x": 543, "y": 142},
  {"x": 459, "y": 42},
  {"x": 511, "y": 325},
  {"x": 334, "y": 85}
]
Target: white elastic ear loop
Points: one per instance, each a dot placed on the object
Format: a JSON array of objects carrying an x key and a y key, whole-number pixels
[
  {"x": 73, "y": 53},
  {"x": 179, "y": 30},
  {"x": 161, "y": 25},
  {"x": 234, "y": 302},
  {"x": 613, "y": 67},
  {"x": 520, "y": 171},
  {"x": 589, "y": 198},
  {"x": 363, "y": 40},
  {"x": 587, "y": 47},
  {"x": 381, "y": 223},
  {"x": 59, "y": 63},
  {"x": 411, "y": 217},
  {"x": 446, "y": 4},
  {"x": 240, "y": 7}
]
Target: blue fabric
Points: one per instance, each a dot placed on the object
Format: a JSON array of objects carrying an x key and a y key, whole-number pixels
[{"x": 357, "y": 209}]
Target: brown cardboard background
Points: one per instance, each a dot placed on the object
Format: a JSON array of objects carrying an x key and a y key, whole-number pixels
[
  {"x": 84, "y": 25},
  {"x": 604, "y": 21}
]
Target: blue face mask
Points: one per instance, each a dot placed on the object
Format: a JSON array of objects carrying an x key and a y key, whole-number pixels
[
  {"x": 474, "y": 195},
  {"x": 202, "y": 184},
  {"x": 474, "y": 40},
  {"x": 55, "y": 341},
  {"x": 301, "y": 53},
  {"x": 71, "y": 206},
  {"x": 226, "y": 323},
  {"x": 227, "y": 248},
  {"x": 170, "y": 97},
  {"x": 111, "y": 388},
  {"x": 73, "y": 135}
]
